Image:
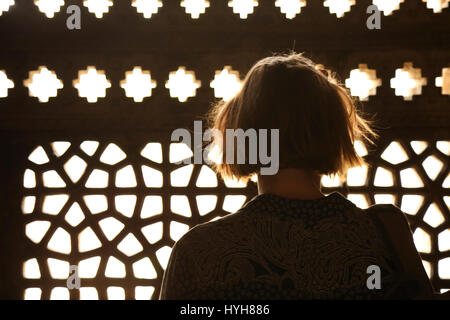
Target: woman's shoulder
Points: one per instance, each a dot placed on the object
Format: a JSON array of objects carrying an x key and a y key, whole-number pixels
[{"x": 218, "y": 230}]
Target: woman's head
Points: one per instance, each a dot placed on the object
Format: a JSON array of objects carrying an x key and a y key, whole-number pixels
[{"x": 316, "y": 116}]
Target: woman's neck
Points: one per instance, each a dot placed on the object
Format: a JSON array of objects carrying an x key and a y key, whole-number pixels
[{"x": 291, "y": 183}]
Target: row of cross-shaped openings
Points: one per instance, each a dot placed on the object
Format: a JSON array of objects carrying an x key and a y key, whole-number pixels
[
  {"x": 182, "y": 84},
  {"x": 243, "y": 8}
]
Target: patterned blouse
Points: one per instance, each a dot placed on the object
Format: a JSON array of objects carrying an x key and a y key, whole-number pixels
[{"x": 280, "y": 248}]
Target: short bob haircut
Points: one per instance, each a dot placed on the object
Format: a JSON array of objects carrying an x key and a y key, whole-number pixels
[{"x": 317, "y": 117}]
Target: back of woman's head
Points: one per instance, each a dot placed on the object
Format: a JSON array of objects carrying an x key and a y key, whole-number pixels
[{"x": 316, "y": 116}]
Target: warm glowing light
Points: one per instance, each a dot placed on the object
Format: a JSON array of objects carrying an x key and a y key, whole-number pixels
[
  {"x": 130, "y": 245},
  {"x": 115, "y": 268},
  {"x": 152, "y": 178},
  {"x": 243, "y": 7},
  {"x": 233, "y": 203},
  {"x": 163, "y": 255},
  {"x": 153, "y": 152},
  {"x": 33, "y": 294},
  {"x": 388, "y": 6},
  {"x": 442, "y": 82},
  {"x": 363, "y": 82},
  {"x": 138, "y": 84},
  {"x": 60, "y": 147},
  {"x": 433, "y": 216},
  {"x": 394, "y": 153},
  {"x": 411, "y": 203},
  {"x": 112, "y": 155},
  {"x": 383, "y": 178},
  {"x": 444, "y": 268},
  {"x": 89, "y": 147},
  {"x": 38, "y": 156},
  {"x": 4, "y": 5},
  {"x": 5, "y": 84},
  {"x": 195, "y": 7},
  {"x": 98, "y": 7},
  {"x": 339, "y": 7},
  {"x": 433, "y": 167},
  {"x": 181, "y": 176},
  {"x": 49, "y": 7},
  {"x": 290, "y": 7},
  {"x": 177, "y": 230},
  {"x": 206, "y": 204},
  {"x": 422, "y": 241},
  {"x": 410, "y": 179},
  {"x": 125, "y": 204},
  {"x": 437, "y": 5},
  {"x": 179, "y": 152},
  {"x": 331, "y": 181},
  {"x": 182, "y": 84},
  {"x": 74, "y": 215},
  {"x": 43, "y": 84},
  {"x": 88, "y": 240},
  {"x": 226, "y": 83},
  {"x": 152, "y": 206},
  {"x": 126, "y": 178},
  {"x": 147, "y": 7},
  {"x": 111, "y": 227},
  {"x": 180, "y": 205},
  {"x": 91, "y": 84},
  {"x": 419, "y": 146},
  {"x": 60, "y": 242},
  {"x": 408, "y": 81}
]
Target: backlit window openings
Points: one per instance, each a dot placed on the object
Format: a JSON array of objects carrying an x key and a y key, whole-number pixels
[
  {"x": 98, "y": 7},
  {"x": 243, "y": 7},
  {"x": 138, "y": 84},
  {"x": 195, "y": 7},
  {"x": 339, "y": 7},
  {"x": 226, "y": 83},
  {"x": 147, "y": 7},
  {"x": 43, "y": 84},
  {"x": 5, "y": 5},
  {"x": 388, "y": 6},
  {"x": 182, "y": 84},
  {"x": 5, "y": 84},
  {"x": 363, "y": 82},
  {"x": 290, "y": 7},
  {"x": 91, "y": 84},
  {"x": 114, "y": 248},
  {"x": 437, "y": 5},
  {"x": 49, "y": 7},
  {"x": 96, "y": 223},
  {"x": 408, "y": 81},
  {"x": 444, "y": 81}
]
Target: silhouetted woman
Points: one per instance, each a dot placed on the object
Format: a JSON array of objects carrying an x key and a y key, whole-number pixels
[{"x": 291, "y": 241}]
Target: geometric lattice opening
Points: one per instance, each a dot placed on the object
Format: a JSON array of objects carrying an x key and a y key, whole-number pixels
[
  {"x": 339, "y": 7},
  {"x": 98, "y": 7},
  {"x": 116, "y": 211},
  {"x": 147, "y": 7},
  {"x": 243, "y": 7},
  {"x": 388, "y": 7},
  {"x": 49, "y": 7},
  {"x": 195, "y": 7},
  {"x": 290, "y": 7},
  {"x": 182, "y": 84}
]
